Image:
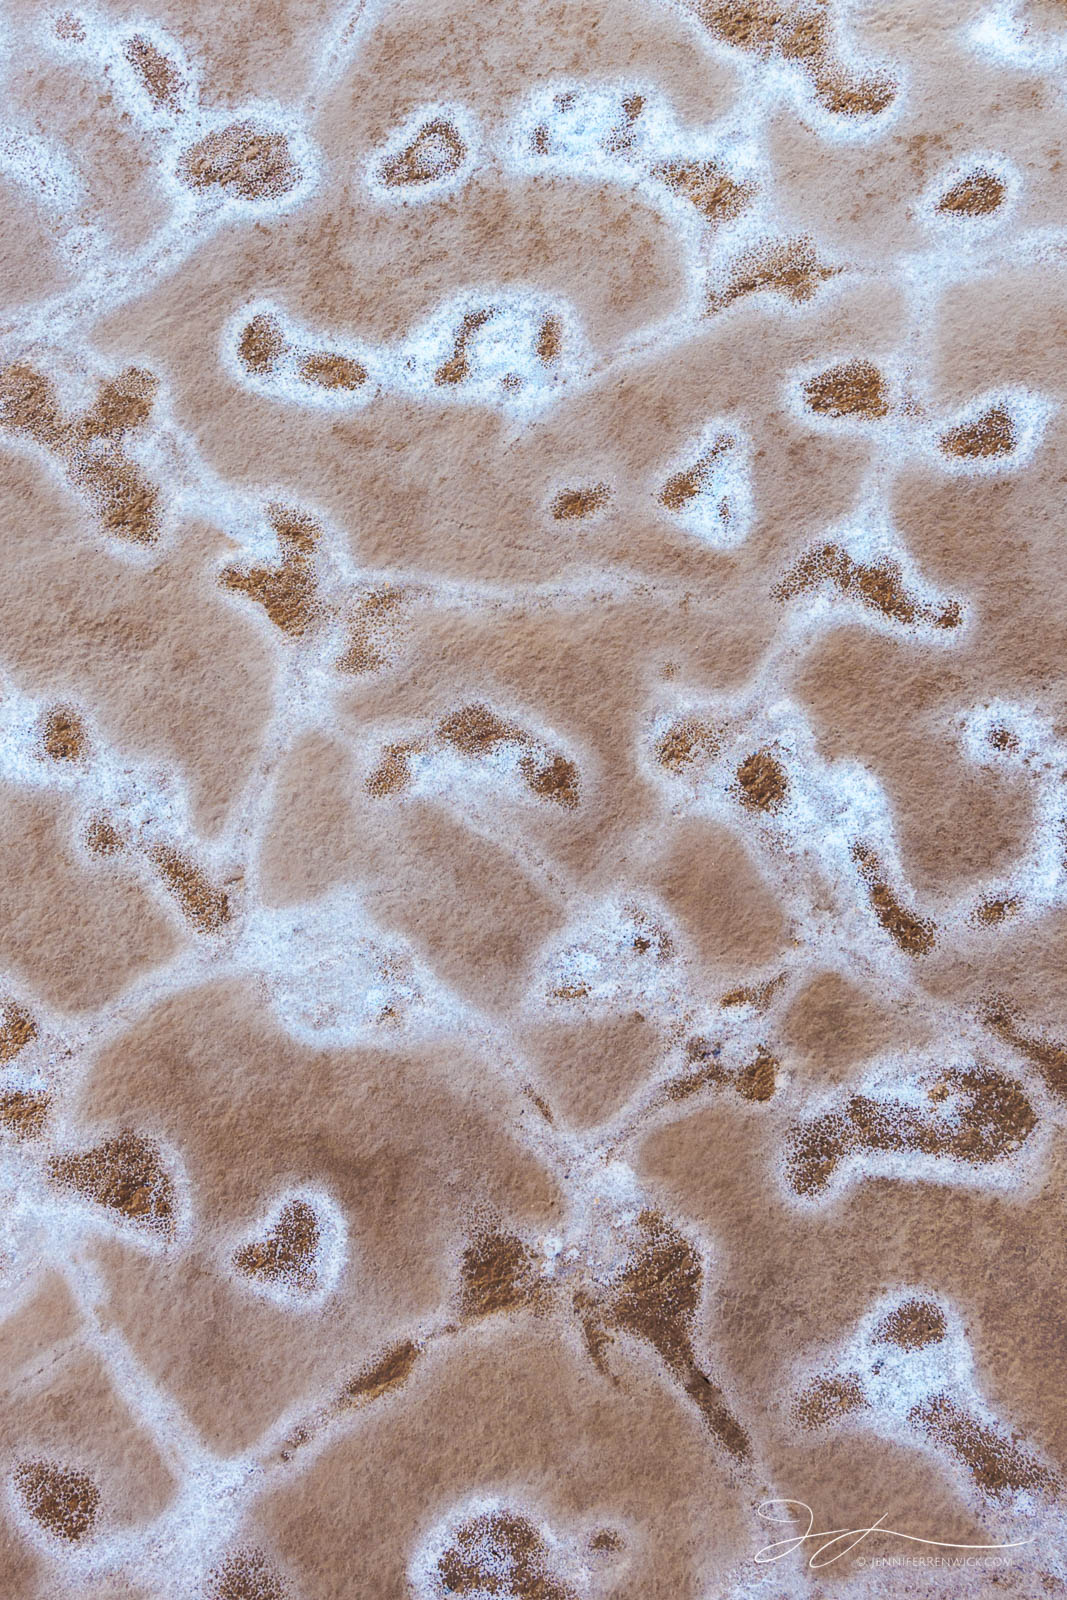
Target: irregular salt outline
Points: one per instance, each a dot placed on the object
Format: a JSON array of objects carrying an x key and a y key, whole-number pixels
[
  {"x": 562, "y": 1553},
  {"x": 946, "y": 1366},
  {"x": 332, "y": 1255},
  {"x": 415, "y": 194},
  {"x": 730, "y": 484}
]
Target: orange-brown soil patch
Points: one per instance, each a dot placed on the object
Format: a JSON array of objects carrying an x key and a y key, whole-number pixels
[
  {"x": 23, "y": 1113},
  {"x": 656, "y": 1297},
  {"x": 206, "y": 907},
  {"x": 102, "y": 837},
  {"x": 850, "y": 389},
  {"x": 64, "y": 1501},
  {"x": 500, "y": 1552},
  {"x": 572, "y": 504},
  {"x": 381, "y": 1376},
  {"x": 436, "y": 151},
  {"x": 916, "y": 936},
  {"x": 756, "y": 1080},
  {"x": 1048, "y": 1057},
  {"x": 686, "y": 742},
  {"x": 759, "y": 995},
  {"x": 550, "y": 340},
  {"x": 791, "y": 268},
  {"x": 802, "y": 34},
  {"x": 827, "y": 1398},
  {"x": 878, "y": 585},
  {"x": 683, "y": 486},
  {"x": 17, "y": 1030},
  {"x": 993, "y": 1121},
  {"x": 458, "y": 365},
  {"x": 64, "y": 737},
  {"x": 555, "y": 779},
  {"x": 244, "y": 160},
  {"x": 89, "y": 447},
  {"x": 330, "y": 371},
  {"x": 975, "y": 195},
  {"x": 994, "y": 910},
  {"x": 124, "y": 1174},
  {"x": 996, "y": 1464},
  {"x": 262, "y": 343},
  {"x": 992, "y": 434},
  {"x": 762, "y": 782},
  {"x": 393, "y": 772},
  {"x": 498, "y": 1273},
  {"x": 161, "y": 79},
  {"x": 913, "y": 1325},
  {"x": 372, "y": 614},
  {"x": 287, "y": 1254},
  {"x": 717, "y": 196},
  {"x": 288, "y": 593},
  {"x": 246, "y": 1575}
]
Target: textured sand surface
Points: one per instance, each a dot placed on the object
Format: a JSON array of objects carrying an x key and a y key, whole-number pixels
[{"x": 533, "y": 800}]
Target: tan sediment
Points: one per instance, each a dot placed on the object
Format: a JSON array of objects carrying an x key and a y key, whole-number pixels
[
  {"x": 993, "y": 910},
  {"x": 381, "y": 1376},
  {"x": 683, "y": 486},
  {"x": 65, "y": 1501},
  {"x": 1048, "y": 1057},
  {"x": 685, "y": 743},
  {"x": 393, "y": 772},
  {"x": 550, "y": 340},
  {"x": 288, "y": 593},
  {"x": 707, "y": 186},
  {"x": 123, "y": 1174},
  {"x": 758, "y": 995},
  {"x": 102, "y": 837},
  {"x": 458, "y": 366}
]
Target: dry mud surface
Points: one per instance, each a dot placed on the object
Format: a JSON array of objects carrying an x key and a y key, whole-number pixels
[{"x": 533, "y": 800}]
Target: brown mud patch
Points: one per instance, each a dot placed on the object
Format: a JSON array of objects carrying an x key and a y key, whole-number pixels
[
  {"x": 261, "y": 344},
  {"x": 288, "y": 593},
  {"x": 976, "y": 195},
  {"x": 757, "y": 995},
  {"x": 124, "y": 1174},
  {"x": 498, "y": 1273},
  {"x": 790, "y": 268},
  {"x": 160, "y": 78},
  {"x": 24, "y": 1113},
  {"x": 992, "y": 1122},
  {"x": 500, "y": 1552},
  {"x": 802, "y": 34},
  {"x": 850, "y": 389},
  {"x": 707, "y": 186},
  {"x": 990, "y": 435},
  {"x": 17, "y": 1030},
  {"x": 756, "y": 1080},
  {"x": 63, "y": 736},
  {"x": 64, "y": 1501},
  {"x": 89, "y": 447},
  {"x": 997, "y": 1465},
  {"x": 329, "y": 371},
  {"x": 287, "y": 1254},
  {"x": 916, "y": 936},
  {"x": 206, "y": 907},
  {"x": 1048, "y": 1057},
  {"x": 992, "y": 911},
  {"x": 374, "y": 613},
  {"x": 683, "y": 486},
  {"x": 245, "y": 160},
  {"x": 686, "y": 742},
  {"x": 458, "y": 366},
  {"x": 475, "y": 731},
  {"x": 572, "y": 504},
  {"x": 246, "y": 1575},
  {"x": 436, "y": 151},
  {"x": 877, "y": 585},
  {"x": 102, "y": 837},
  {"x": 762, "y": 783},
  {"x": 913, "y": 1325},
  {"x": 828, "y": 1398}
]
